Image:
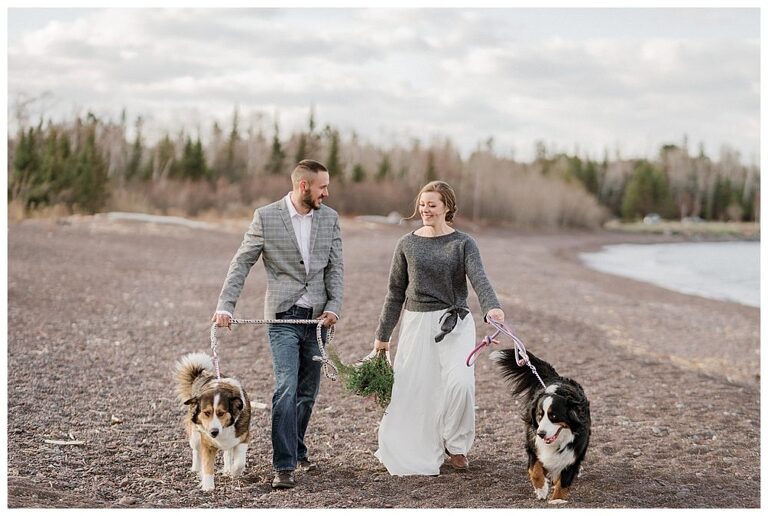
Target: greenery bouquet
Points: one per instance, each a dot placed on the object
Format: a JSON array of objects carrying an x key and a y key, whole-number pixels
[{"x": 372, "y": 377}]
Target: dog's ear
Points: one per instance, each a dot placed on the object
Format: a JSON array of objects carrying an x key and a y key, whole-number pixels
[
  {"x": 236, "y": 404},
  {"x": 576, "y": 413},
  {"x": 196, "y": 402},
  {"x": 534, "y": 409}
]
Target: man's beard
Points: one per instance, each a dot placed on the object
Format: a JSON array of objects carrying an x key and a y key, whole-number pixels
[{"x": 308, "y": 202}]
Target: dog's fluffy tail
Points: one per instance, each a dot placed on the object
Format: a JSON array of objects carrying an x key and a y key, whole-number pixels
[
  {"x": 188, "y": 368},
  {"x": 523, "y": 380}
]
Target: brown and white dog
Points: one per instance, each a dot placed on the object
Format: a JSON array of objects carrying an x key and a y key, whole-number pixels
[{"x": 218, "y": 417}]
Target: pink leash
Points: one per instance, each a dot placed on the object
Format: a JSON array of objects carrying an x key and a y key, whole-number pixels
[{"x": 521, "y": 356}]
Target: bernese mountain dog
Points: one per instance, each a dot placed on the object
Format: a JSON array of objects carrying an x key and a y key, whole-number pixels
[{"x": 557, "y": 423}]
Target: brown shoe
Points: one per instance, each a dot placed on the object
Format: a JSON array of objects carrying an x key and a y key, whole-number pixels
[
  {"x": 306, "y": 465},
  {"x": 458, "y": 461},
  {"x": 283, "y": 480}
]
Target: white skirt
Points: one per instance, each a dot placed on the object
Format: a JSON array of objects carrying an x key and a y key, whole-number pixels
[{"x": 433, "y": 396}]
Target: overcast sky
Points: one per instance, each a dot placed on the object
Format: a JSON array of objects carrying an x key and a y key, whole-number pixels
[{"x": 581, "y": 80}]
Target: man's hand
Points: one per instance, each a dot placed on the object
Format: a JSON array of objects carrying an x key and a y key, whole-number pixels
[
  {"x": 328, "y": 319},
  {"x": 222, "y": 320}
]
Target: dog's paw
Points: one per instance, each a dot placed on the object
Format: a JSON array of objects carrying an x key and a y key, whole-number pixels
[
  {"x": 207, "y": 483},
  {"x": 236, "y": 470},
  {"x": 557, "y": 501},
  {"x": 233, "y": 472},
  {"x": 542, "y": 492}
]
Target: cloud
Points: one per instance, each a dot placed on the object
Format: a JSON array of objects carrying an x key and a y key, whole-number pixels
[{"x": 570, "y": 77}]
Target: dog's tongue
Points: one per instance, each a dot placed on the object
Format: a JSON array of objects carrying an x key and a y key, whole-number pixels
[{"x": 550, "y": 440}]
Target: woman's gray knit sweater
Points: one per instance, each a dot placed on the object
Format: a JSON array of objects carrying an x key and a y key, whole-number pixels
[{"x": 430, "y": 274}]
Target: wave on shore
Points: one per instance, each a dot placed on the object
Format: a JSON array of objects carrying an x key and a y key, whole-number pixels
[{"x": 728, "y": 271}]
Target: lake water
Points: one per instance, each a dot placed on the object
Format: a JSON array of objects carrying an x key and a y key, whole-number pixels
[{"x": 727, "y": 271}]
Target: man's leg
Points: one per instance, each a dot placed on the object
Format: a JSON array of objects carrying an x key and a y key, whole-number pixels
[
  {"x": 284, "y": 340},
  {"x": 308, "y": 386}
]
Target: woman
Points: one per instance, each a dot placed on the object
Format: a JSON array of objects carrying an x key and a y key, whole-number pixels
[{"x": 432, "y": 411}]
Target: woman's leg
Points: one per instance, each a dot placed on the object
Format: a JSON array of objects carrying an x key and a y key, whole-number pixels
[
  {"x": 409, "y": 436},
  {"x": 458, "y": 388}
]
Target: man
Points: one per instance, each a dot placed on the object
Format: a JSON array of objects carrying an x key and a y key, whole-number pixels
[{"x": 299, "y": 240}]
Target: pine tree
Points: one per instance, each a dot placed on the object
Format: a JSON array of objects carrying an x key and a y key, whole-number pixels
[
  {"x": 218, "y": 166},
  {"x": 277, "y": 156},
  {"x": 748, "y": 194},
  {"x": 165, "y": 163},
  {"x": 312, "y": 138},
  {"x": 26, "y": 162},
  {"x": 231, "y": 166},
  {"x": 301, "y": 150},
  {"x": 199, "y": 154},
  {"x": 358, "y": 173},
  {"x": 334, "y": 161},
  {"x": 647, "y": 192},
  {"x": 133, "y": 169},
  {"x": 192, "y": 164},
  {"x": 65, "y": 159},
  {"x": 311, "y": 119},
  {"x": 589, "y": 177},
  {"x": 53, "y": 167},
  {"x": 384, "y": 169},
  {"x": 431, "y": 169},
  {"x": 725, "y": 201},
  {"x": 90, "y": 175}
]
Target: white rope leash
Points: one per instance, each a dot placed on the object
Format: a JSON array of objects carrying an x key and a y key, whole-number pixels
[{"x": 328, "y": 368}]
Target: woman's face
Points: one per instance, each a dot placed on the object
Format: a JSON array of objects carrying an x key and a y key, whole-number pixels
[{"x": 432, "y": 208}]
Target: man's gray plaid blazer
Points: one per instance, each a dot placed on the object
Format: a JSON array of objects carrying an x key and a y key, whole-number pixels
[{"x": 272, "y": 237}]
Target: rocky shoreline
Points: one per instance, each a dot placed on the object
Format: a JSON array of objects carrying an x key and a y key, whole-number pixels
[{"x": 99, "y": 310}]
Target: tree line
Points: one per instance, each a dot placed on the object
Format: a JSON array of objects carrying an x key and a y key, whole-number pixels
[{"x": 91, "y": 164}]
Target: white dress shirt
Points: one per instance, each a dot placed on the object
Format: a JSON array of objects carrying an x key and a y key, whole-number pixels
[{"x": 302, "y": 227}]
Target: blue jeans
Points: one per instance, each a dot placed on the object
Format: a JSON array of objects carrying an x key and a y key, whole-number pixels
[{"x": 297, "y": 382}]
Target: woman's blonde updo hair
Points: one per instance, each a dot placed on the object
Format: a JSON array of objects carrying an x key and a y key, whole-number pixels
[{"x": 446, "y": 193}]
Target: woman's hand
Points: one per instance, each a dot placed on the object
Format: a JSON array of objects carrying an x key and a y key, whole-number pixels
[
  {"x": 377, "y": 346},
  {"x": 497, "y": 314}
]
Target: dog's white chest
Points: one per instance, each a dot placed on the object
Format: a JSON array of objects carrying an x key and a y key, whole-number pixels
[{"x": 553, "y": 460}]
